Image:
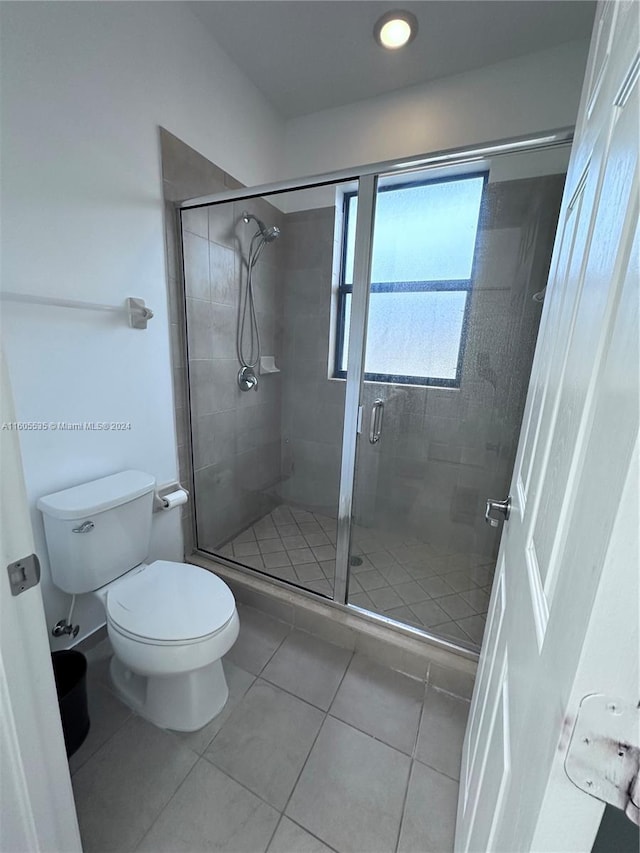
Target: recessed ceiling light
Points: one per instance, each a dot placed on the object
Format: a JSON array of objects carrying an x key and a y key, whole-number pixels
[{"x": 395, "y": 29}]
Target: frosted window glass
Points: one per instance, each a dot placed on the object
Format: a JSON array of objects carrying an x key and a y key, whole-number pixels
[
  {"x": 426, "y": 233},
  {"x": 412, "y": 334}
]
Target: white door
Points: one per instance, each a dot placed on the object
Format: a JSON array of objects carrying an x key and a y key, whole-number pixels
[
  {"x": 38, "y": 811},
  {"x": 564, "y": 610}
]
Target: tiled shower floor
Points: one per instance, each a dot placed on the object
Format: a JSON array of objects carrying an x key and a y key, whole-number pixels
[
  {"x": 399, "y": 577},
  {"x": 317, "y": 750}
]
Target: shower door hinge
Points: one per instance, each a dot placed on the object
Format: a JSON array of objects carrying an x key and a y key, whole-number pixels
[
  {"x": 23, "y": 574},
  {"x": 603, "y": 757},
  {"x": 360, "y": 413}
]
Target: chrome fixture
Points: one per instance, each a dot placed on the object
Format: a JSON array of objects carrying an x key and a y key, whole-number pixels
[
  {"x": 247, "y": 378},
  {"x": 85, "y": 527},
  {"x": 138, "y": 314},
  {"x": 375, "y": 428},
  {"x": 503, "y": 507},
  {"x": 66, "y": 626},
  {"x": 270, "y": 234},
  {"x": 63, "y": 627}
]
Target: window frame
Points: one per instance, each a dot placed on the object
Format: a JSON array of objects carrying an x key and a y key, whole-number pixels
[{"x": 428, "y": 285}]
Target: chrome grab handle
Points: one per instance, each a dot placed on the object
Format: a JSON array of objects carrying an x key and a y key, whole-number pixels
[
  {"x": 503, "y": 507},
  {"x": 375, "y": 428},
  {"x": 85, "y": 527}
]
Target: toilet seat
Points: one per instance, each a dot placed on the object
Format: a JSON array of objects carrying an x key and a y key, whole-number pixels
[
  {"x": 137, "y": 638},
  {"x": 170, "y": 604}
]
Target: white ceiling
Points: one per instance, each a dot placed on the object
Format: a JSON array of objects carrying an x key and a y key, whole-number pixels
[{"x": 309, "y": 55}]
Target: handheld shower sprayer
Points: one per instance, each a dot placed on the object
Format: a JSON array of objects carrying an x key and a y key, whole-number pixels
[
  {"x": 269, "y": 234},
  {"x": 247, "y": 378}
]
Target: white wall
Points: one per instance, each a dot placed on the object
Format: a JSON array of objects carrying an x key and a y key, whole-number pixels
[
  {"x": 85, "y": 86},
  {"x": 525, "y": 95}
]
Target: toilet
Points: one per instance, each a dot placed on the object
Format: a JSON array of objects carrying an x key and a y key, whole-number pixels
[{"x": 169, "y": 623}]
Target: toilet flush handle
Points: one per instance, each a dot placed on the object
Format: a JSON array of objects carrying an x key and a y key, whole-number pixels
[{"x": 85, "y": 527}]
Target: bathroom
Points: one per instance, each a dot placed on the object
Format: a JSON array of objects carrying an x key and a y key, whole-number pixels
[{"x": 97, "y": 188}]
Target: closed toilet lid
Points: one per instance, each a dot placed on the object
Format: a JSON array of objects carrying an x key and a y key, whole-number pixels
[{"x": 171, "y": 602}]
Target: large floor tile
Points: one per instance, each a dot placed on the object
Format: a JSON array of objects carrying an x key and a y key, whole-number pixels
[
  {"x": 380, "y": 701},
  {"x": 309, "y": 667},
  {"x": 238, "y": 682},
  {"x": 212, "y": 812},
  {"x": 291, "y": 838},
  {"x": 266, "y": 741},
  {"x": 351, "y": 791},
  {"x": 259, "y": 637},
  {"x": 122, "y": 789},
  {"x": 429, "y": 820},
  {"x": 442, "y": 728},
  {"x": 107, "y": 714}
]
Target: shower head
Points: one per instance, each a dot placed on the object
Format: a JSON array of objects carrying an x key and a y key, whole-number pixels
[{"x": 269, "y": 234}]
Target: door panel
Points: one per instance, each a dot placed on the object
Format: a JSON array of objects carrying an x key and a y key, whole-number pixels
[
  {"x": 486, "y": 676},
  {"x": 569, "y": 479},
  {"x": 421, "y": 552},
  {"x": 266, "y": 456}
]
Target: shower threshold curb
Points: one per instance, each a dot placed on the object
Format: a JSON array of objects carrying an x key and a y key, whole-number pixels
[{"x": 402, "y": 648}]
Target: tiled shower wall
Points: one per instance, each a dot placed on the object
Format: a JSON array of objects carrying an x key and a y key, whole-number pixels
[
  {"x": 187, "y": 174},
  {"x": 313, "y": 406},
  {"x": 236, "y": 434}
]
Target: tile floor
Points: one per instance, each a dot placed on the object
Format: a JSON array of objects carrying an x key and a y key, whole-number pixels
[
  {"x": 398, "y": 577},
  {"x": 317, "y": 750}
]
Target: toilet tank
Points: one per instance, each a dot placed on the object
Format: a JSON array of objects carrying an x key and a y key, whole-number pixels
[{"x": 99, "y": 530}]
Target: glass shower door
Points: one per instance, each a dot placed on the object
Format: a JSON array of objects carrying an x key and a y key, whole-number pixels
[
  {"x": 266, "y": 416},
  {"x": 456, "y": 257}
]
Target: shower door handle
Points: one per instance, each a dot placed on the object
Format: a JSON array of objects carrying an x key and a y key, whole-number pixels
[
  {"x": 503, "y": 507},
  {"x": 375, "y": 428}
]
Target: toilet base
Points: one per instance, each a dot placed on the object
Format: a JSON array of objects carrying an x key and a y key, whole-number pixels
[{"x": 185, "y": 702}]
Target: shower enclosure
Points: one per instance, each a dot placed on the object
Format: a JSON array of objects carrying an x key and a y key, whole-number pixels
[{"x": 359, "y": 350}]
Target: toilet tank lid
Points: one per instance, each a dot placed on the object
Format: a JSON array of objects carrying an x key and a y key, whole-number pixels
[{"x": 97, "y": 496}]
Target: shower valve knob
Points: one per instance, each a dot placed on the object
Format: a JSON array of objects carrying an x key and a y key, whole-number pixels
[{"x": 247, "y": 379}]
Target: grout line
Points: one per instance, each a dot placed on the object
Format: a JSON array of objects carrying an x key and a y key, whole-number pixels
[
  {"x": 424, "y": 702},
  {"x": 160, "y": 813},
  {"x": 275, "y": 829},
  {"x": 412, "y": 757},
  {"x": 308, "y": 831},
  {"x": 368, "y": 734},
  {"x": 293, "y": 695},
  {"x": 244, "y": 785},
  {"x": 436, "y": 770},
  {"x": 322, "y": 724},
  {"x": 404, "y": 805},
  {"x": 111, "y": 736}
]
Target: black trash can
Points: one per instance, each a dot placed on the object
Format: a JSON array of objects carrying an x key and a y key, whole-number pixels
[{"x": 70, "y": 672}]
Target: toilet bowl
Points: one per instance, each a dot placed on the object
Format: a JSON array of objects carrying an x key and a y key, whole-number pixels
[{"x": 169, "y": 623}]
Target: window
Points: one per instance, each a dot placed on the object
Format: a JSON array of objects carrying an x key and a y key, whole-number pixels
[{"x": 422, "y": 259}]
